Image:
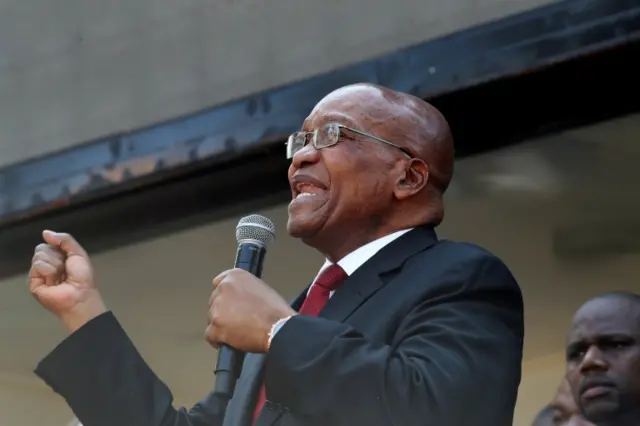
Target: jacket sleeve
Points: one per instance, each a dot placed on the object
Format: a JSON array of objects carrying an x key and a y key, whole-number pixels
[
  {"x": 455, "y": 360},
  {"x": 105, "y": 381}
]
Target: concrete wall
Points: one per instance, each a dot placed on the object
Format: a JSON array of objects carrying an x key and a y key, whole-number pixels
[{"x": 71, "y": 71}]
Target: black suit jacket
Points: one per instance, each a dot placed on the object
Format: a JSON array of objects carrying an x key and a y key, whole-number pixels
[{"x": 426, "y": 332}]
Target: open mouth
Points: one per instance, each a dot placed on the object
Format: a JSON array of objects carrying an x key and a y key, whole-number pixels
[{"x": 304, "y": 190}]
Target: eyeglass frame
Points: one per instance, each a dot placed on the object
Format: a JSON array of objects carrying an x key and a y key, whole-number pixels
[{"x": 340, "y": 127}]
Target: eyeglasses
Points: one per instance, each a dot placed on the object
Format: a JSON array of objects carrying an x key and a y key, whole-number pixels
[{"x": 329, "y": 135}]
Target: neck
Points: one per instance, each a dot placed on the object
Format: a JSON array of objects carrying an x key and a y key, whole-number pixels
[
  {"x": 336, "y": 242},
  {"x": 336, "y": 246}
]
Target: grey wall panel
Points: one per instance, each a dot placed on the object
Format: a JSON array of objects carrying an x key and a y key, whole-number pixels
[{"x": 71, "y": 70}]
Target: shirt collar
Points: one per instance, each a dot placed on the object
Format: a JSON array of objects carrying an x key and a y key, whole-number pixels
[{"x": 351, "y": 262}]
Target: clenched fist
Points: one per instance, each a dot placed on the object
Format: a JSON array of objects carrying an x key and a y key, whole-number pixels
[{"x": 61, "y": 279}]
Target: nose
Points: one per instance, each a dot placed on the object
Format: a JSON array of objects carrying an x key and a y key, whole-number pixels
[
  {"x": 593, "y": 360},
  {"x": 308, "y": 155}
]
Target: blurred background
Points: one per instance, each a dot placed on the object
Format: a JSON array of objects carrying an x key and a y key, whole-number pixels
[{"x": 147, "y": 128}]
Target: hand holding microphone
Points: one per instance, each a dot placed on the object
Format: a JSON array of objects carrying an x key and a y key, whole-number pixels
[{"x": 242, "y": 308}]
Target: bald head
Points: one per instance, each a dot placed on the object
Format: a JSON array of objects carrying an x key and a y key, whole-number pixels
[
  {"x": 380, "y": 162},
  {"x": 626, "y": 296},
  {"x": 403, "y": 119}
]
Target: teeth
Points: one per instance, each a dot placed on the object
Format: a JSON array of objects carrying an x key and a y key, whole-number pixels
[{"x": 305, "y": 194}]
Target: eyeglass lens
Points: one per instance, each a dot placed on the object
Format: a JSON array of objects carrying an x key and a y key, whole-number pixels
[{"x": 324, "y": 137}]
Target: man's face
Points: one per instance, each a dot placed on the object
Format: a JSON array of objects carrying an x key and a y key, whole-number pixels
[
  {"x": 603, "y": 359},
  {"x": 565, "y": 410},
  {"x": 346, "y": 185}
]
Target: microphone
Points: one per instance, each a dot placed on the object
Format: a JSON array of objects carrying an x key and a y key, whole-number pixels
[{"x": 254, "y": 234}]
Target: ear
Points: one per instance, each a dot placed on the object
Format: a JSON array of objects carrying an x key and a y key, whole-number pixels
[{"x": 412, "y": 179}]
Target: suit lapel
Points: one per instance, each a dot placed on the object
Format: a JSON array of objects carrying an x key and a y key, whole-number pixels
[
  {"x": 368, "y": 279},
  {"x": 242, "y": 405},
  {"x": 298, "y": 301}
]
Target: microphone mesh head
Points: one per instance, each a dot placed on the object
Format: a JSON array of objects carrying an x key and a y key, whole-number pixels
[{"x": 255, "y": 228}]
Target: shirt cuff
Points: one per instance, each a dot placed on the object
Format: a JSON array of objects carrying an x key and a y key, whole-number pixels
[{"x": 276, "y": 327}]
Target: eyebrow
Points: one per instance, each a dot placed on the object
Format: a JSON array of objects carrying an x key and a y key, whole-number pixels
[
  {"x": 607, "y": 335},
  {"x": 573, "y": 344}
]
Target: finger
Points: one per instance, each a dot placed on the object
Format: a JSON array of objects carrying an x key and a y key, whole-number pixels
[
  {"x": 217, "y": 280},
  {"x": 214, "y": 295},
  {"x": 42, "y": 273},
  {"x": 209, "y": 336},
  {"x": 49, "y": 254},
  {"x": 49, "y": 250},
  {"x": 65, "y": 242},
  {"x": 209, "y": 316},
  {"x": 46, "y": 254}
]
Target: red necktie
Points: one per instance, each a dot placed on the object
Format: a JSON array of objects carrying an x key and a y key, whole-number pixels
[{"x": 328, "y": 280}]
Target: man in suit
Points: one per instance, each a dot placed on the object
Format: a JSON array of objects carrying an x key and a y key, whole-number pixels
[
  {"x": 398, "y": 328},
  {"x": 603, "y": 359}
]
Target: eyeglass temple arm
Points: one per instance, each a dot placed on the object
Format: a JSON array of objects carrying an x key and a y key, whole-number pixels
[{"x": 381, "y": 140}]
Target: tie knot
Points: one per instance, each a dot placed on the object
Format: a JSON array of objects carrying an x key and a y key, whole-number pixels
[{"x": 331, "y": 277}]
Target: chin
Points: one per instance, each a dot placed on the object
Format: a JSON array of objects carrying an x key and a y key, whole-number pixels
[
  {"x": 299, "y": 227},
  {"x": 601, "y": 411},
  {"x": 306, "y": 223}
]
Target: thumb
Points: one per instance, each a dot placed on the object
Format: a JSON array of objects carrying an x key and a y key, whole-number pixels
[{"x": 64, "y": 242}]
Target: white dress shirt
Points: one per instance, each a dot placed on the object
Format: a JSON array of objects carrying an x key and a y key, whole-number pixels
[{"x": 350, "y": 263}]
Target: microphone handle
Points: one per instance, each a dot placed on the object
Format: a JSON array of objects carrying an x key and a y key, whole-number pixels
[{"x": 249, "y": 257}]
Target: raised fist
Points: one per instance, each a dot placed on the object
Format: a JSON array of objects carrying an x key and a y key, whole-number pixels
[{"x": 61, "y": 279}]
